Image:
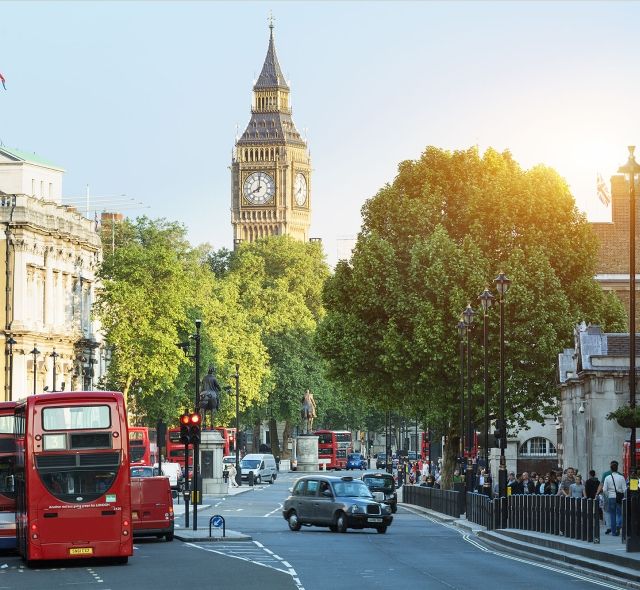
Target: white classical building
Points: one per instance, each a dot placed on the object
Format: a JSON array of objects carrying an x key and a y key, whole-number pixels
[
  {"x": 49, "y": 254},
  {"x": 594, "y": 380}
]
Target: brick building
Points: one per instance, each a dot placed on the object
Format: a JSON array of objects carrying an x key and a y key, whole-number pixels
[{"x": 612, "y": 271}]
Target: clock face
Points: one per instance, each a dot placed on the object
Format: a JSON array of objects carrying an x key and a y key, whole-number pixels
[
  {"x": 259, "y": 188},
  {"x": 300, "y": 189}
]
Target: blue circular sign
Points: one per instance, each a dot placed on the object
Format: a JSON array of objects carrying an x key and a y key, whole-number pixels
[{"x": 217, "y": 521}]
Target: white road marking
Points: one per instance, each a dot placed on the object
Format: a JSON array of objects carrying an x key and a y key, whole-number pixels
[{"x": 274, "y": 510}]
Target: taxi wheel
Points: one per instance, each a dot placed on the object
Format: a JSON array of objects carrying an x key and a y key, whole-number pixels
[
  {"x": 294, "y": 523},
  {"x": 382, "y": 529},
  {"x": 341, "y": 522},
  {"x": 394, "y": 508},
  {"x": 333, "y": 528}
]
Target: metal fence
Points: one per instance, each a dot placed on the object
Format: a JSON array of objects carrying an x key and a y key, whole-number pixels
[
  {"x": 573, "y": 518},
  {"x": 446, "y": 501}
]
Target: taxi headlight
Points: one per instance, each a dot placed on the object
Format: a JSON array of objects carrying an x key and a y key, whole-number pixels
[
  {"x": 386, "y": 509},
  {"x": 355, "y": 509}
]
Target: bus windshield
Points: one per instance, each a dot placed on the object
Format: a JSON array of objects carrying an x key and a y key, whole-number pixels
[
  {"x": 76, "y": 417},
  {"x": 6, "y": 424}
]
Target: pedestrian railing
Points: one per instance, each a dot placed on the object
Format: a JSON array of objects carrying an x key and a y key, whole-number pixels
[
  {"x": 573, "y": 518},
  {"x": 445, "y": 501}
]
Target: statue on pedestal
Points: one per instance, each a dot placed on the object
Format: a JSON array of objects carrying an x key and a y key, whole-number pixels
[
  {"x": 308, "y": 410},
  {"x": 209, "y": 395}
]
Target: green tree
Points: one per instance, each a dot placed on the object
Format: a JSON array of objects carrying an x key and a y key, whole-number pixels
[{"x": 430, "y": 242}]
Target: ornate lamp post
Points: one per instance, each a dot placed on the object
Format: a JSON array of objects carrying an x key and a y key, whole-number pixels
[
  {"x": 11, "y": 342},
  {"x": 486, "y": 299},
  {"x": 35, "y": 352},
  {"x": 502, "y": 286},
  {"x": 54, "y": 355},
  {"x": 462, "y": 330},
  {"x": 467, "y": 315},
  {"x": 238, "y": 471},
  {"x": 631, "y": 169}
]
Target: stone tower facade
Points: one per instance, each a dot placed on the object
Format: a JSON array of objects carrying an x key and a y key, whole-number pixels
[{"x": 271, "y": 167}]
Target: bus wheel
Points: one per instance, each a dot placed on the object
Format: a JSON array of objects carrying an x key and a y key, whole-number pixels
[
  {"x": 341, "y": 522},
  {"x": 294, "y": 523},
  {"x": 169, "y": 537},
  {"x": 121, "y": 560}
]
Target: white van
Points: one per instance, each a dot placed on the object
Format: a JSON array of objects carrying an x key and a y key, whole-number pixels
[
  {"x": 174, "y": 472},
  {"x": 262, "y": 466}
]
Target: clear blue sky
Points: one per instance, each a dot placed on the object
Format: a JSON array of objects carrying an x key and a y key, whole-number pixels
[{"x": 143, "y": 98}]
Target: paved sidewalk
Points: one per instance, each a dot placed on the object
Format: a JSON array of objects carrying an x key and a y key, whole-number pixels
[{"x": 608, "y": 558}]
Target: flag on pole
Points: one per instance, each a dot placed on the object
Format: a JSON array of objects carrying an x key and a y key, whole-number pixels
[
  {"x": 3, "y": 81},
  {"x": 603, "y": 191}
]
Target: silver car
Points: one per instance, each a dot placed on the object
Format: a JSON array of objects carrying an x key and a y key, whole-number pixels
[{"x": 335, "y": 502}]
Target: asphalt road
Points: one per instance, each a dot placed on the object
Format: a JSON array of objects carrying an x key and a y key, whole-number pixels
[{"x": 416, "y": 552}]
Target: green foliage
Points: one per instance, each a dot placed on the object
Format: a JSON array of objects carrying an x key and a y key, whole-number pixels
[{"x": 430, "y": 243}]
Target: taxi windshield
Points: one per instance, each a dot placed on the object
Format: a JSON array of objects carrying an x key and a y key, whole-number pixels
[{"x": 352, "y": 489}]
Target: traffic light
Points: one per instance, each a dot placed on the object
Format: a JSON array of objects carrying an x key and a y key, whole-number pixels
[
  {"x": 500, "y": 434},
  {"x": 185, "y": 432},
  {"x": 194, "y": 428}
]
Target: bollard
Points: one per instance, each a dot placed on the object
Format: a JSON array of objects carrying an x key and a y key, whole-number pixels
[{"x": 250, "y": 478}]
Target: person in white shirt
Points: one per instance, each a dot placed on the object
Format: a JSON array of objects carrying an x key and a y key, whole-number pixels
[{"x": 613, "y": 485}]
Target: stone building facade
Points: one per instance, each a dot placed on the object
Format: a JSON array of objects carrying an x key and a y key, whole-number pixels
[
  {"x": 49, "y": 255},
  {"x": 271, "y": 166},
  {"x": 593, "y": 380}
]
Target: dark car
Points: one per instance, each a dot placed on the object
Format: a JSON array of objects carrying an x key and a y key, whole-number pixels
[
  {"x": 356, "y": 461},
  {"x": 335, "y": 502},
  {"x": 381, "y": 460},
  {"x": 385, "y": 484}
]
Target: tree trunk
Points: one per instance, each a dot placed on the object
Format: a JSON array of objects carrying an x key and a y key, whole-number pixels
[
  {"x": 256, "y": 437},
  {"x": 449, "y": 460},
  {"x": 273, "y": 436},
  {"x": 286, "y": 435}
]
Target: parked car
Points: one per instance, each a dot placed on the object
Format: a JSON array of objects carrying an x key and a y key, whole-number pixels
[
  {"x": 335, "y": 502},
  {"x": 263, "y": 467},
  {"x": 143, "y": 471},
  {"x": 385, "y": 484},
  {"x": 356, "y": 461}
]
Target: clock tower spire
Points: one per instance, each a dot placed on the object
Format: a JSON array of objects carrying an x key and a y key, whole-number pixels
[{"x": 271, "y": 167}]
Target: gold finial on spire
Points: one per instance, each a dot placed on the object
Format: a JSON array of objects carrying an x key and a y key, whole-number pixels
[{"x": 271, "y": 19}]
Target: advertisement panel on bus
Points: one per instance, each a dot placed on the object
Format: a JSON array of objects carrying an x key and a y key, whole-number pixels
[
  {"x": 7, "y": 477},
  {"x": 73, "y": 495}
]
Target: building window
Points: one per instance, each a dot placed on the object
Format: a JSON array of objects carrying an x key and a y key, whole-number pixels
[{"x": 538, "y": 447}]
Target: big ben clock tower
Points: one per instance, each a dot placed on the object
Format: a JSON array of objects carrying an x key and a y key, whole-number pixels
[{"x": 271, "y": 168}]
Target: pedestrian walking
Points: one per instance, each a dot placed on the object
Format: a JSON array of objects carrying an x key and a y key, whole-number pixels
[
  {"x": 232, "y": 475},
  {"x": 613, "y": 488},
  {"x": 577, "y": 489}
]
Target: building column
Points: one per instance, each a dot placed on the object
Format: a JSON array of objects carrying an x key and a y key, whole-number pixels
[{"x": 19, "y": 290}]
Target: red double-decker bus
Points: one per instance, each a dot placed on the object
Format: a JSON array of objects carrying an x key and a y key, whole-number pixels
[
  {"x": 7, "y": 477},
  {"x": 626, "y": 457},
  {"x": 175, "y": 448},
  {"x": 425, "y": 446},
  {"x": 143, "y": 445},
  {"x": 333, "y": 447},
  {"x": 73, "y": 496},
  {"x": 229, "y": 437}
]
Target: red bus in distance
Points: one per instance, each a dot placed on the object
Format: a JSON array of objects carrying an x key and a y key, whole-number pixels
[
  {"x": 143, "y": 445},
  {"x": 175, "y": 448},
  {"x": 229, "y": 437},
  {"x": 73, "y": 496},
  {"x": 626, "y": 457},
  {"x": 334, "y": 445},
  {"x": 7, "y": 477}
]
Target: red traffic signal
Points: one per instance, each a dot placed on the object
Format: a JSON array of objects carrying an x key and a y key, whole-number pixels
[
  {"x": 194, "y": 428},
  {"x": 194, "y": 419},
  {"x": 185, "y": 435},
  {"x": 185, "y": 418}
]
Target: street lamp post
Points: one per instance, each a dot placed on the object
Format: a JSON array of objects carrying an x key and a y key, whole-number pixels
[
  {"x": 486, "y": 299},
  {"x": 35, "y": 352},
  {"x": 468, "y": 314},
  {"x": 11, "y": 342},
  {"x": 502, "y": 286},
  {"x": 54, "y": 355},
  {"x": 631, "y": 169},
  {"x": 462, "y": 330},
  {"x": 238, "y": 471},
  {"x": 196, "y": 453}
]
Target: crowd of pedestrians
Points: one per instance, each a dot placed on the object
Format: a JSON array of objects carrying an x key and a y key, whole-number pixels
[{"x": 609, "y": 490}]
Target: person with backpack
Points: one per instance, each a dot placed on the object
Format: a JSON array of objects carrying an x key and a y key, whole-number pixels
[{"x": 613, "y": 488}]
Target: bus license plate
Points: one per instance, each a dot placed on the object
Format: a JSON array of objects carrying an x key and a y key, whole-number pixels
[
  {"x": 81, "y": 551},
  {"x": 374, "y": 520}
]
